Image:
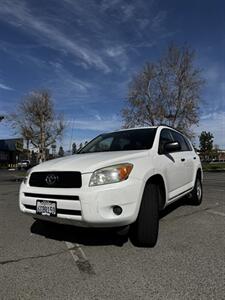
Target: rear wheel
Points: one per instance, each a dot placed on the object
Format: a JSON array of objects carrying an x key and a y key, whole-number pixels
[
  {"x": 196, "y": 194},
  {"x": 144, "y": 232}
]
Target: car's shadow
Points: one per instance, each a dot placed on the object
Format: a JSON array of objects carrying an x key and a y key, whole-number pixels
[
  {"x": 175, "y": 205},
  {"x": 90, "y": 236},
  {"x": 79, "y": 235}
]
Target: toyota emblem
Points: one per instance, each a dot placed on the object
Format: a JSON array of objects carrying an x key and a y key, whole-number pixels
[{"x": 51, "y": 179}]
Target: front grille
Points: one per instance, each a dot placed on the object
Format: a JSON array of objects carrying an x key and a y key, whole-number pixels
[
  {"x": 71, "y": 212},
  {"x": 56, "y": 179},
  {"x": 48, "y": 196}
]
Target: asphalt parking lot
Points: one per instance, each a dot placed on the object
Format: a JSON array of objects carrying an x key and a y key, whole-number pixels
[{"x": 63, "y": 262}]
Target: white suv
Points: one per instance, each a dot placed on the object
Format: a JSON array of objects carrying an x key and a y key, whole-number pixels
[{"x": 120, "y": 178}]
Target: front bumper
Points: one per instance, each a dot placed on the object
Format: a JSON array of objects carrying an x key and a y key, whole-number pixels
[{"x": 93, "y": 206}]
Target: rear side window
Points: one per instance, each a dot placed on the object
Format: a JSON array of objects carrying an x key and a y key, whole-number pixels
[
  {"x": 179, "y": 138},
  {"x": 189, "y": 145}
]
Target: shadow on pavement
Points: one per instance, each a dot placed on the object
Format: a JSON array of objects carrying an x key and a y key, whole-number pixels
[
  {"x": 173, "y": 206},
  {"x": 73, "y": 234},
  {"x": 90, "y": 236}
]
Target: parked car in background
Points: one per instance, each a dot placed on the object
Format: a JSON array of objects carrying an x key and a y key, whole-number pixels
[
  {"x": 24, "y": 164},
  {"x": 118, "y": 179}
]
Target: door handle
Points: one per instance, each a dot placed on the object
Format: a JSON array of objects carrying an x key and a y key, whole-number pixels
[{"x": 182, "y": 159}]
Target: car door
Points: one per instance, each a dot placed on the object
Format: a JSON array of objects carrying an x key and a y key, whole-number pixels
[
  {"x": 186, "y": 157},
  {"x": 170, "y": 164}
]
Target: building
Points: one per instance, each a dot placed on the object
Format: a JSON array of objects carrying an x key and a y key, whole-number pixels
[
  {"x": 11, "y": 151},
  {"x": 221, "y": 155}
]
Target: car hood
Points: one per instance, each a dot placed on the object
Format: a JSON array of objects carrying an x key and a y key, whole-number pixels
[{"x": 89, "y": 162}]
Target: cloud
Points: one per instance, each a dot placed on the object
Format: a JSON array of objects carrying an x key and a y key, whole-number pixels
[
  {"x": 211, "y": 74},
  {"x": 22, "y": 53},
  {"x": 18, "y": 14},
  {"x": 106, "y": 4},
  {"x": 89, "y": 31},
  {"x": 61, "y": 80},
  {"x": 128, "y": 11},
  {"x": 143, "y": 23},
  {"x": 115, "y": 51},
  {"x": 158, "y": 21},
  {"x": 65, "y": 78},
  {"x": 119, "y": 54},
  {"x": 97, "y": 124},
  {"x": 5, "y": 87},
  {"x": 98, "y": 117}
]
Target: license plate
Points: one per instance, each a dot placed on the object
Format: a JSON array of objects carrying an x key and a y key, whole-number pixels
[{"x": 46, "y": 208}]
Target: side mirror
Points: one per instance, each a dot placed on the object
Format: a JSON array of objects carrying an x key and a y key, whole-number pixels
[{"x": 172, "y": 147}]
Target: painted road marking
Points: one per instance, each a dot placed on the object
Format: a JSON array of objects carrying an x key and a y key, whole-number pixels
[
  {"x": 216, "y": 213},
  {"x": 70, "y": 246},
  {"x": 80, "y": 258}
]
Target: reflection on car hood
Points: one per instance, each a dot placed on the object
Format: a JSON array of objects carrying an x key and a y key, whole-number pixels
[{"x": 90, "y": 162}]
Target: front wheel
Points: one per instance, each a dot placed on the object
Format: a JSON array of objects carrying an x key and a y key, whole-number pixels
[{"x": 144, "y": 232}]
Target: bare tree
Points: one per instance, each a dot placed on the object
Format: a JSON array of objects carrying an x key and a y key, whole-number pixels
[
  {"x": 166, "y": 92},
  {"x": 37, "y": 122}
]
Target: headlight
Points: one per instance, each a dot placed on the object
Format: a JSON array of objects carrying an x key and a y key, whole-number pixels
[{"x": 111, "y": 174}]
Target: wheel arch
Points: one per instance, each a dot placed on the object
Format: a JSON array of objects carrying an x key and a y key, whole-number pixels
[
  {"x": 158, "y": 179},
  {"x": 199, "y": 174}
]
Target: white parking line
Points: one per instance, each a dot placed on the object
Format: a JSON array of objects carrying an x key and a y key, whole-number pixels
[
  {"x": 71, "y": 246},
  {"x": 80, "y": 258},
  {"x": 216, "y": 213}
]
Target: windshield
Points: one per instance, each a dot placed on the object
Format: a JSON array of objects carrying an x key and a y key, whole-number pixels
[{"x": 137, "y": 139}]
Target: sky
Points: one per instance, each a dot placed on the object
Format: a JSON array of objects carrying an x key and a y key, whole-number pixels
[{"x": 86, "y": 52}]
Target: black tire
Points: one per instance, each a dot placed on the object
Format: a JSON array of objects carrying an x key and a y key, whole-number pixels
[
  {"x": 196, "y": 194},
  {"x": 144, "y": 232}
]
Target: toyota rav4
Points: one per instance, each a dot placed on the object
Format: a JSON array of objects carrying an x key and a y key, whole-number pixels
[{"x": 119, "y": 178}]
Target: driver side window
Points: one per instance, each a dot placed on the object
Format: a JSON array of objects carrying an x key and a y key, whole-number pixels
[{"x": 165, "y": 137}]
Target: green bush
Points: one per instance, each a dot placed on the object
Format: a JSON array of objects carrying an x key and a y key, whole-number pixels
[{"x": 213, "y": 166}]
